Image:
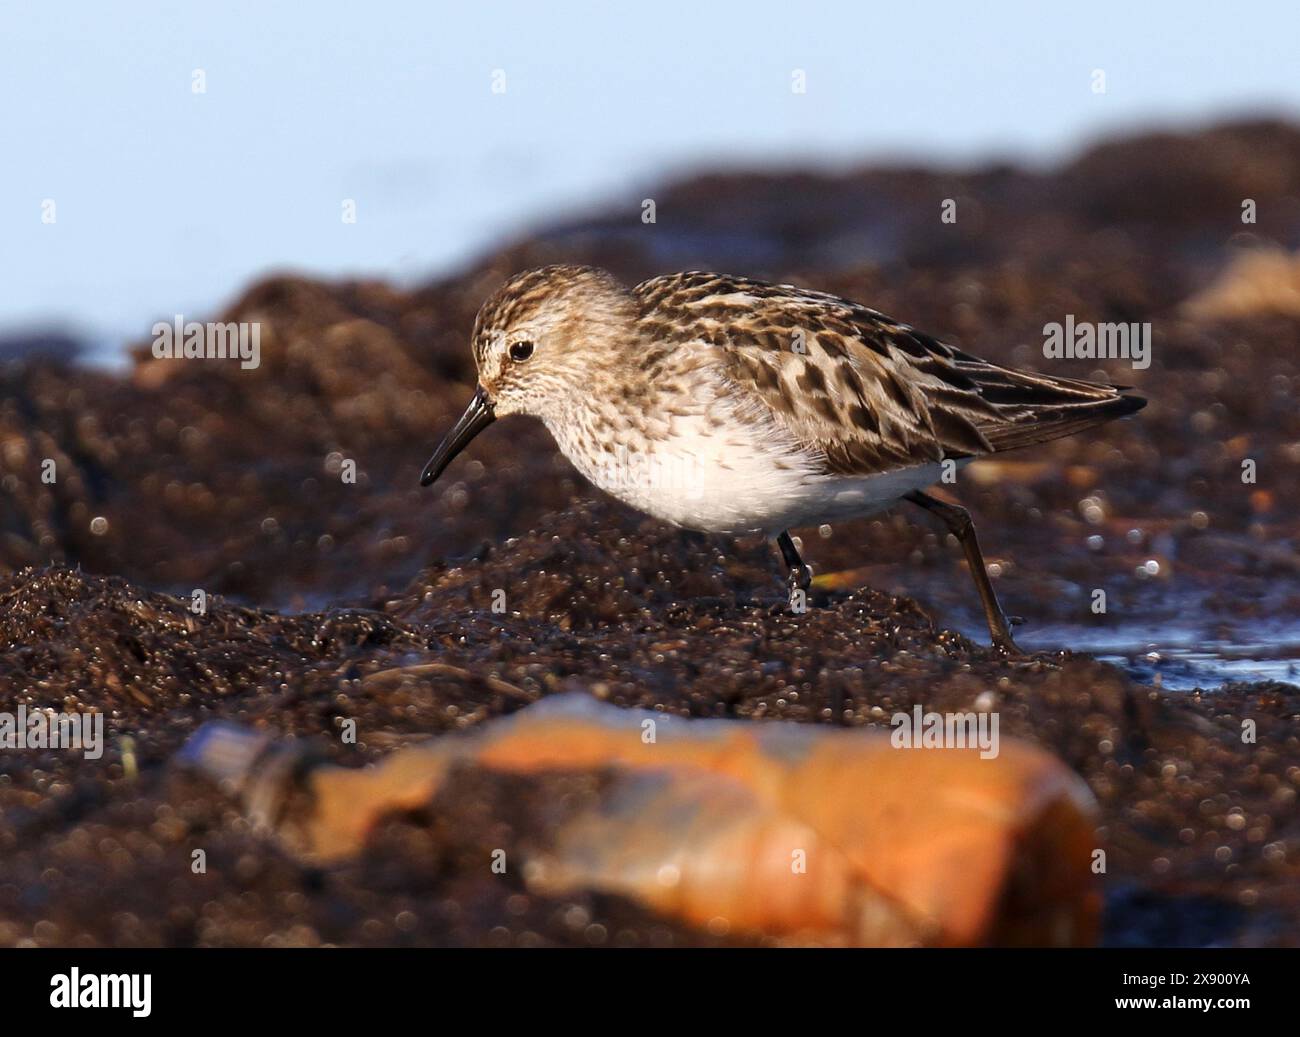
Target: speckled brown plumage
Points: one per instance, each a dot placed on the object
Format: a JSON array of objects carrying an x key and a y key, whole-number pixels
[
  {"x": 726, "y": 404},
  {"x": 865, "y": 391}
]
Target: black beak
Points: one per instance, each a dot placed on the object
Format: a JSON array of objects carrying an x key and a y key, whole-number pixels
[{"x": 478, "y": 416}]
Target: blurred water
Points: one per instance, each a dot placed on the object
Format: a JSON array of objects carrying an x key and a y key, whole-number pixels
[{"x": 1180, "y": 655}]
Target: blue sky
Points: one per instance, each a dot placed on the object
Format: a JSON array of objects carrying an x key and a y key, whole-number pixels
[{"x": 168, "y": 201}]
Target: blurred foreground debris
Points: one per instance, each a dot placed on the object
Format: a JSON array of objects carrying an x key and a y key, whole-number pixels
[
  {"x": 800, "y": 833},
  {"x": 1262, "y": 281}
]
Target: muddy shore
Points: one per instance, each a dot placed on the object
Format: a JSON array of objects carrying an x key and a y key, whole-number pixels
[{"x": 179, "y": 476}]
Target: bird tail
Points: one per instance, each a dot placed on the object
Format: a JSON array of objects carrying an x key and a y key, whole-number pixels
[{"x": 1037, "y": 408}]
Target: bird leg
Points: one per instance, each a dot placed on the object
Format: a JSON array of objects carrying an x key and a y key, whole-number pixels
[
  {"x": 800, "y": 575},
  {"x": 959, "y": 524}
]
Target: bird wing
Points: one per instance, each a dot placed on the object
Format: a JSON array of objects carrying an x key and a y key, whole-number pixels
[{"x": 857, "y": 389}]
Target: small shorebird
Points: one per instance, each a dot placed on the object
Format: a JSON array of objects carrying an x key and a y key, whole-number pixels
[{"x": 728, "y": 405}]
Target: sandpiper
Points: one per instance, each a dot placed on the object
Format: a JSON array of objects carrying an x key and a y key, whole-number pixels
[{"x": 729, "y": 405}]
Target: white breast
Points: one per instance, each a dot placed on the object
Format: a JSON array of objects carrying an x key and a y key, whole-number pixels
[{"x": 722, "y": 472}]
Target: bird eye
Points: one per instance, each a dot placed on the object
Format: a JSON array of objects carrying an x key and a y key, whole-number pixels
[{"x": 521, "y": 351}]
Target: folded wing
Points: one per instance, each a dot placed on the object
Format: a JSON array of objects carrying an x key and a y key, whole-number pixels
[{"x": 862, "y": 391}]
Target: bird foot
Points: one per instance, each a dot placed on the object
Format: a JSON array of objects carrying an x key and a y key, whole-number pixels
[{"x": 1007, "y": 648}]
